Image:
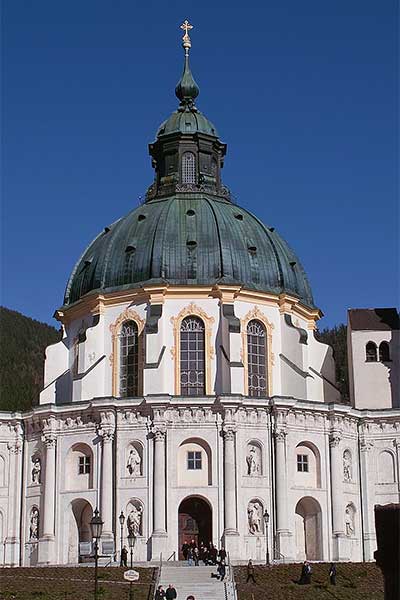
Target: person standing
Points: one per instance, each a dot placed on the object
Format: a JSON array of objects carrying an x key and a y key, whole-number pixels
[
  {"x": 250, "y": 571},
  {"x": 160, "y": 593},
  {"x": 222, "y": 570},
  {"x": 190, "y": 556},
  {"x": 222, "y": 554},
  {"x": 185, "y": 548},
  {"x": 196, "y": 556},
  {"x": 308, "y": 573},
  {"x": 124, "y": 557},
  {"x": 170, "y": 594},
  {"x": 332, "y": 574}
]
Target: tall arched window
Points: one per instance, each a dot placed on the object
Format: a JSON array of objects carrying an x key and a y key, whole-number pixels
[
  {"x": 371, "y": 352},
  {"x": 256, "y": 359},
  {"x": 188, "y": 168},
  {"x": 129, "y": 360},
  {"x": 384, "y": 354},
  {"x": 192, "y": 357}
]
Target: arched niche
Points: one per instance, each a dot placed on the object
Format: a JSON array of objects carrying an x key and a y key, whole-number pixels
[
  {"x": 386, "y": 467},
  {"x": 80, "y": 515},
  {"x": 308, "y": 525},
  {"x": 2, "y": 536},
  {"x": 79, "y": 467},
  {"x": 347, "y": 466},
  {"x": 255, "y": 514},
  {"x": 194, "y": 463},
  {"x": 134, "y": 517},
  {"x": 254, "y": 459},
  {"x": 133, "y": 466},
  {"x": 307, "y": 465}
]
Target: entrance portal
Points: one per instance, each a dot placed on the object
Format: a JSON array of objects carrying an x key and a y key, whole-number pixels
[
  {"x": 79, "y": 530},
  {"x": 194, "y": 522},
  {"x": 308, "y": 530}
]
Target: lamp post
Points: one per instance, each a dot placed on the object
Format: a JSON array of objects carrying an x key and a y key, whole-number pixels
[
  {"x": 96, "y": 526},
  {"x": 266, "y": 521},
  {"x": 121, "y": 522},
  {"x": 131, "y": 542}
]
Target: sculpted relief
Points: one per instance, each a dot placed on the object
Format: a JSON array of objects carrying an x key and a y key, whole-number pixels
[
  {"x": 134, "y": 462},
  {"x": 34, "y": 525},
  {"x": 134, "y": 521},
  {"x": 347, "y": 466},
  {"x": 349, "y": 520},
  {"x": 254, "y": 517},
  {"x": 253, "y": 460},
  {"x": 36, "y": 470}
]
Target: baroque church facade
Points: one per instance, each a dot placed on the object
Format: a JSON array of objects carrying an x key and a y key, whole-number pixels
[{"x": 190, "y": 393}]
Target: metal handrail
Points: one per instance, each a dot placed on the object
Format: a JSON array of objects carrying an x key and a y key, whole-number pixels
[
  {"x": 278, "y": 555},
  {"x": 173, "y": 555},
  {"x": 230, "y": 585}
]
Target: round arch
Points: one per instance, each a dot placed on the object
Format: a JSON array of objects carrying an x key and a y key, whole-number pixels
[
  {"x": 308, "y": 524},
  {"x": 314, "y": 472},
  {"x": 79, "y": 467},
  {"x": 80, "y": 515},
  {"x": 203, "y": 476},
  {"x": 194, "y": 521}
]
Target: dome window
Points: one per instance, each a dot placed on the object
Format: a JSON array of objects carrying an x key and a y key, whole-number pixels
[
  {"x": 371, "y": 354},
  {"x": 239, "y": 217},
  {"x": 252, "y": 249},
  {"x": 130, "y": 248},
  {"x": 188, "y": 168},
  {"x": 129, "y": 360},
  {"x": 141, "y": 218},
  {"x": 256, "y": 359},
  {"x": 107, "y": 229},
  {"x": 191, "y": 243},
  {"x": 192, "y": 357},
  {"x": 190, "y": 213}
]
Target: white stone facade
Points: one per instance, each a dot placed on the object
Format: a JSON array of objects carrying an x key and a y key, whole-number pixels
[{"x": 84, "y": 446}]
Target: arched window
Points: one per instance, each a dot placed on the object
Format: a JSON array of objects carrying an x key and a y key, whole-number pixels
[
  {"x": 192, "y": 357},
  {"x": 129, "y": 360},
  {"x": 256, "y": 359},
  {"x": 188, "y": 168},
  {"x": 384, "y": 354},
  {"x": 371, "y": 352}
]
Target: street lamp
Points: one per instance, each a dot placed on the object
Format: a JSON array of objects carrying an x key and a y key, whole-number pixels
[
  {"x": 121, "y": 522},
  {"x": 266, "y": 521},
  {"x": 96, "y": 526},
  {"x": 131, "y": 542}
]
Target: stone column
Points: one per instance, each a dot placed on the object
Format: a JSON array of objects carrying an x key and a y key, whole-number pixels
[
  {"x": 397, "y": 446},
  {"x": 282, "y": 528},
  {"x": 106, "y": 497},
  {"x": 229, "y": 481},
  {"x": 46, "y": 546},
  {"x": 12, "y": 540},
  {"x": 336, "y": 464},
  {"x": 367, "y": 499},
  {"x": 159, "y": 535}
]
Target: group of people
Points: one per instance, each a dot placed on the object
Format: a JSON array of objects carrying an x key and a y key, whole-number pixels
[
  {"x": 168, "y": 594},
  {"x": 306, "y": 571},
  {"x": 207, "y": 554}
]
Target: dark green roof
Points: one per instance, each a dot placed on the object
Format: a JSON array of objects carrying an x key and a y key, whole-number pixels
[
  {"x": 187, "y": 121},
  {"x": 188, "y": 239}
]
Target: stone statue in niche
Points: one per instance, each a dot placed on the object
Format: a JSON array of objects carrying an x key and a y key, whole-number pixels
[
  {"x": 347, "y": 474},
  {"x": 36, "y": 470},
  {"x": 254, "y": 517},
  {"x": 253, "y": 462},
  {"x": 134, "y": 463},
  {"x": 349, "y": 520},
  {"x": 134, "y": 522},
  {"x": 34, "y": 525}
]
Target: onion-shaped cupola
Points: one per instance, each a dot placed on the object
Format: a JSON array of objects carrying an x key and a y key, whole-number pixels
[{"x": 187, "y": 153}]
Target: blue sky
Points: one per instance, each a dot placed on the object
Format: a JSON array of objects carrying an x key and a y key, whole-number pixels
[{"x": 304, "y": 94}]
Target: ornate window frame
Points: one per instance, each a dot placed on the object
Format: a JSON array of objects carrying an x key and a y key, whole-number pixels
[
  {"x": 192, "y": 310},
  {"x": 256, "y": 314},
  {"x": 127, "y": 315}
]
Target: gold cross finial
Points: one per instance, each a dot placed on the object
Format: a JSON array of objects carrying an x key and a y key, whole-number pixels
[{"x": 186, "y": 26}]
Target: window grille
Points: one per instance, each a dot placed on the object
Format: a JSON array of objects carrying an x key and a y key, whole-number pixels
[
  {"x": 129, "y": 360},
  {"x": 192, "y": 357},
  {"x": 302, "y": 463},
  {"x": 371, "y": 352},
  {"x": 188, "y": 168},
  {"x": 194, "y": 461},
  {"x": 256, "y": 359},
  {"x": 384, "y": 354},
  {"x": 84, "y": 465}
]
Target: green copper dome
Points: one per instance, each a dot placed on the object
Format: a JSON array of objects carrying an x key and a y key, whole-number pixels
[
  {"x": 188, "y": 232},
  {"x": 188, "y": 240}
]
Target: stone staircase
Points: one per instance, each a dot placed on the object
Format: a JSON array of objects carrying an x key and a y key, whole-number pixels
[{"x": 193, "y": 580}]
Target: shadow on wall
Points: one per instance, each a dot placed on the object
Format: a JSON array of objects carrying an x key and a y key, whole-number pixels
[
  {"x": 393, "y": 371},
  {"x": 64, "y": 388}
]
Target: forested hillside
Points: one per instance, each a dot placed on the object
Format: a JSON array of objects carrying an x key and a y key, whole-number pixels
[
  {"x": 22, "y": 346},
  {"x": 337, "y": 338}
]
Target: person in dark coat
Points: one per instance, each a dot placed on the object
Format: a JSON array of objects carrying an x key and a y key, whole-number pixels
[
  {"x": 124, "y": 557},
  {"x": 222, "y": 554},
  {"x": 213, "y": 552},
  {"x": 160, "y": 593},
  {"x": 171, "y": 594},
  {"x": 332, "y": 574},
  {"x": 308, "y": 573},
  {"x": 250, "y": 571},
  {"x": 185, "y": 548},
  {"x": 303, "y": 575},
  {"x": 222, "y": 570},
  {"x": 196, "y": 556}
]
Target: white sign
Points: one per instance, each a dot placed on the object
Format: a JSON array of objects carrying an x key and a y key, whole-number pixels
[{"x": 131, "y": 575}]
